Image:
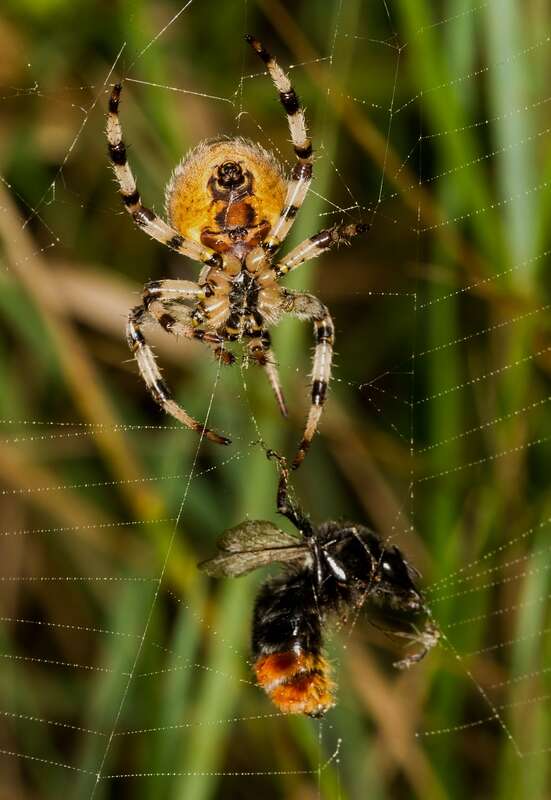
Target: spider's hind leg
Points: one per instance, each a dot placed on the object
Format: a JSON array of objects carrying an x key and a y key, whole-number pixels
[
  {"x": 144, "y": 217},
  {"x": 301, "y": 177},
  {"x": 150, "y": 372}
]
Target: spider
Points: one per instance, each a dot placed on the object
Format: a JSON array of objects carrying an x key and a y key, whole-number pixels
[
  {"x": 331, "y": 570},
  {"x": 230, "y": 208}
]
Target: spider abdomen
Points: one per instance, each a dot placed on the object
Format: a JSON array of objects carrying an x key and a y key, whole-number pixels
[{"x": 226, "y": 194}]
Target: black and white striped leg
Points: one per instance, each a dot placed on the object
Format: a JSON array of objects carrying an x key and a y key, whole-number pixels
[
  {"x": 160, "y": 392},
  {"x": 152, "y": 224},
  {"x": 260, "y": 350},
  {"x": 165, "y": 300},
  {"x": 301, "y": 177},
  {"x": 307, "y": 307},
  {"x": 318, "y": 244},
  {"x": 172, "y": 290}
]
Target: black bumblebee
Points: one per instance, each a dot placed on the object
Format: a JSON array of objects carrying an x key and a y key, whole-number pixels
[{"x": 331, "y": 570}]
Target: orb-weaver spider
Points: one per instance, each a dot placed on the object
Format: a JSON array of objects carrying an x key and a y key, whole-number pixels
[{"x": 230, "y": 208}]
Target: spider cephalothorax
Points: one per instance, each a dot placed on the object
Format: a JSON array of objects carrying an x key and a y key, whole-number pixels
[{"x": 230, "y": 208}]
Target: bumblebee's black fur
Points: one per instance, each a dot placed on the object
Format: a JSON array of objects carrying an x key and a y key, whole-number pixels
[
  {"x": 286, "y": 615},
  {"x": 349, "y": 567}
]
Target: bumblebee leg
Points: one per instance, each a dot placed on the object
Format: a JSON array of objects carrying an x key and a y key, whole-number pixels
[{"x": 284, "y": 504}]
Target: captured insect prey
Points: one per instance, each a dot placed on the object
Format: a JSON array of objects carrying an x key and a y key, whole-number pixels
[
  {"x": 230, "y": 207},
  {"x": 331, "y": 570}
]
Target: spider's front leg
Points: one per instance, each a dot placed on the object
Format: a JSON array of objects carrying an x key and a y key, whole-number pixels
[
  {"x": 260, "y": 350},
  {"x": 307, "y": 307},
  {"x": 176, "y": 318}
]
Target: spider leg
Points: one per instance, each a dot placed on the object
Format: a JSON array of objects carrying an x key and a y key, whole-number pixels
[
  {"x": 165, "y": 300},
  {"x": 260, "y": 350},
  {"x": 170, "y": 289},
  {"x": 318, "y": 244},
  {"x": 301, "y": 176},
  {"x": 307, "y": 307},
  {"x": 147, "y": 364},
  {"x": 152, "y": 224}
]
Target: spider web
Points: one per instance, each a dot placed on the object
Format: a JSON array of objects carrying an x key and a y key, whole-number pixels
[{"x": 122, "y": 668}]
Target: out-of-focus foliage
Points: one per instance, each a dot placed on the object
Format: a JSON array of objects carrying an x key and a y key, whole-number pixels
[{"x": 118, "y": 658}]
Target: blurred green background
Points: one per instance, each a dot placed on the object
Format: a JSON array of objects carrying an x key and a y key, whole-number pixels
[{"x": 124, "y": 671}]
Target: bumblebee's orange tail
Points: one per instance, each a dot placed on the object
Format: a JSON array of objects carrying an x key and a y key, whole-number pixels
[{"x": 297, "y": 683}]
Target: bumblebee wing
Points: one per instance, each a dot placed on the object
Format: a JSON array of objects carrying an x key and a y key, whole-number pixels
[
  {"x": 231, "y": 565},
  {"x": 253, "y": 544},
  {"x": 255, "y": 534}
]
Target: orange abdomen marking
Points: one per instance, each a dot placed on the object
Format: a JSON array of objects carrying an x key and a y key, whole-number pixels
[
  {"x": 234, "y": 215},
  {"x": 189, "y": 194},
  {"x": 297, "y": 683}
]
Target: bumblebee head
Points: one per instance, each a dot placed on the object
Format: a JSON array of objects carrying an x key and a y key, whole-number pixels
[
  {"x": 357, "y": 558},
  {"x": 394, "y": 577}
]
